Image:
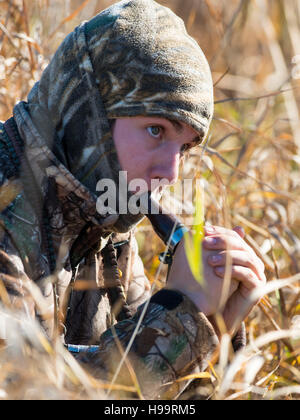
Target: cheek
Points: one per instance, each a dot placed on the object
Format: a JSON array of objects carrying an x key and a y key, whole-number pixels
[
  {"x": 133, "y": 157},
  {"x": 138, "y": 166}
]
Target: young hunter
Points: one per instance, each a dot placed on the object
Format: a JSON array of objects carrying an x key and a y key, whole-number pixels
[{"x": 131, "y": 91}]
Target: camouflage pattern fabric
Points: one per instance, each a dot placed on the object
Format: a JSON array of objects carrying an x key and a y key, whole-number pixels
[
  {"x": 173, "y": 341},
  {"x": 135, "y": 58}
]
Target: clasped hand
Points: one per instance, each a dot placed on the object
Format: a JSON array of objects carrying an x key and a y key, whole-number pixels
[{"x": 221, "y": 248}]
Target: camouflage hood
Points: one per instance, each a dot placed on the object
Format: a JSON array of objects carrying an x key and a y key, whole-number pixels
[{"x": 135, "y": 58}]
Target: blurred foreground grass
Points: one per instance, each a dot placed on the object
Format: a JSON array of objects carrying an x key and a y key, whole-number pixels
[{"x": 250, "y": 170}]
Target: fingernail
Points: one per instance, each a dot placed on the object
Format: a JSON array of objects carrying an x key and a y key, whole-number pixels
[
  {"x": 240, "y": 230},
  {"x": 215, "y": 258},
  {"x": 220, "y": 269},
  {"x": 210, "y": 241},
  {"x": 209, "y": 229}
]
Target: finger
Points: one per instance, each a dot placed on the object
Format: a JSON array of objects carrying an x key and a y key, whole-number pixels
[
  {"x": 224, "y": 239},
  {"x": 239, "y": 258},
  {"x": 234, "y": 285},
  {"x": 227, "y": 240},
  {"x": 215, "y": 230},
  {"x": 239, "y": 230},
  {"x": 210, "y": 230},
  {"x": 244, "y": 275}
]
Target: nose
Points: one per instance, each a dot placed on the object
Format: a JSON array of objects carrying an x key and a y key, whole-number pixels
[{"x": 166, "y": 165}]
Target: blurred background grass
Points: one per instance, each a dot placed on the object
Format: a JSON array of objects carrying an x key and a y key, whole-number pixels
[{"x": 250, "y": 166}]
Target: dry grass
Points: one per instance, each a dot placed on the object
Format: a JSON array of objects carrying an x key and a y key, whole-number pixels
[{"x": 251, "y": 173}]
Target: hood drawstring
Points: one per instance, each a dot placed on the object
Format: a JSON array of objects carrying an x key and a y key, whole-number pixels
[{"x": 113, "y": 284}]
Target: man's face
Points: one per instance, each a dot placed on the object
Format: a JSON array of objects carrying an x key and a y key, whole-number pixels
[{"x": 151, "y": 148}]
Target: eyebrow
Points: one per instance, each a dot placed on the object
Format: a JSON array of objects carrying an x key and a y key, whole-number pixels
[
  {"x": 177, "y": 125},
  {"x": 179, "y": 128}
]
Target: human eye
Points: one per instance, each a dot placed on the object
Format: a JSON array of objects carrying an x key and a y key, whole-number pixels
[{"x": 155, "y": 131}]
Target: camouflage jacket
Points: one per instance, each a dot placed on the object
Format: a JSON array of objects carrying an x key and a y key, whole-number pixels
[
  {"x": 173, "y": 339},
  {"x": 135, "y": 58}
]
